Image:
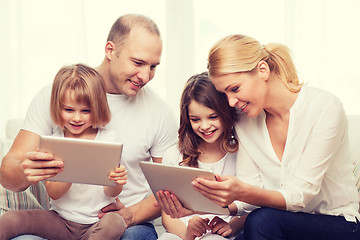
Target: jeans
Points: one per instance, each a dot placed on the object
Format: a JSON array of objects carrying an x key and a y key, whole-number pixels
[
  {"x": 144, "y": 231},
  {"x": 270, "y": 223}
]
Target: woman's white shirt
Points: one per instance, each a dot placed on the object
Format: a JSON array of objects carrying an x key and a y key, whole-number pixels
[{"x": 315, "y": 172}]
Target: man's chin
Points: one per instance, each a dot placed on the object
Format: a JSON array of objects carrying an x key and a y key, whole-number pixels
[{"x": 132, "y": 92}]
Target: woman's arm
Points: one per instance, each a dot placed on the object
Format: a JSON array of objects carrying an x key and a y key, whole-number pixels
[
  {"x": 321, "y": 142},
  {"x": 57, "y": 189},
  {"x": 227, "y": 189}
]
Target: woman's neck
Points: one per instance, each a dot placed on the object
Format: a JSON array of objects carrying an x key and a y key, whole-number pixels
[{"x": 280, "y": 99}]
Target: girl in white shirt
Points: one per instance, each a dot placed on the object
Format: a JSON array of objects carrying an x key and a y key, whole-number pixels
[
  {"x": 79, "y": 107},
  {"x": 293, "y": 163},
  {"x": 206, "y": 141}
]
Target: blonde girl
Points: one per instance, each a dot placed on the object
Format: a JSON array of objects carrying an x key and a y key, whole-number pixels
[{"x": 79, "y": 108}]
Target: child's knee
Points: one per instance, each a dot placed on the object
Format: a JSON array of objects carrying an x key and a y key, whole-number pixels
[
  {"x": 115, "y": 222},
  {"x": 11, "y": 218}
]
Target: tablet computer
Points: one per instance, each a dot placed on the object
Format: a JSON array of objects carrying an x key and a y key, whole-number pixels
[
  {"x": 85, "y": 161},
  {"x": 177, "y": 180}
]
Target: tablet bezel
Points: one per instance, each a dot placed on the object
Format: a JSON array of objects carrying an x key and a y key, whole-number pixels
[
  {"x": 177, "y": 180},
  {"x": 85, "y": 161}
]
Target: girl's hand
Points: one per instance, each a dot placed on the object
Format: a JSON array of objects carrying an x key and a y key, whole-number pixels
[
  {"x": 197, "y": 227},
  {"x": 119, "y": 175},
  {"x": 220, "y": 227},
  {"x": 171, "y": 205}
]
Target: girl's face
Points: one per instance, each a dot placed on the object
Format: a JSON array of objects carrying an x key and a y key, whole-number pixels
[
  {"x": 75, "y": 116},
  {"x": 205, "y": 122},
  {"x": 244, "y": 90}
]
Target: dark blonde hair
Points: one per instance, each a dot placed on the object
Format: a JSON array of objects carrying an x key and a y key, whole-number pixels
[
  {"x": 88, "y": 87},
  {"x": 200, "y": 89},
  {"x": 240, "y": 53}
]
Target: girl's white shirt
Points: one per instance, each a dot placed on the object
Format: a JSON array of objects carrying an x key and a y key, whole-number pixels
[
  {"x": 82, "y": 203},
  {"x": 315, "y": 172}
]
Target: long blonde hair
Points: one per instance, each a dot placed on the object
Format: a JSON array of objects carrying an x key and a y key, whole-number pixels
[{"x": 240, "y": 53}]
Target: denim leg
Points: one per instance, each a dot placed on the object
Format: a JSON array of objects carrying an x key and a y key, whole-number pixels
[
  {"x": 144, "y": 231},
  {"x": 270, "y": 223},
  {"x": 28, "y": 237}
]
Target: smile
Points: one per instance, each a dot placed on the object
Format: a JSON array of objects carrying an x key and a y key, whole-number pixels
[
  {"x": 207, "y": 134},
  {"x": 136, "y": 84},
  {"x": 76, "y": 125},
  {"x": 244, "y": 106}
]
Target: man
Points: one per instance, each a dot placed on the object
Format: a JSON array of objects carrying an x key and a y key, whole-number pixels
[{"x": 144, "y": 124}]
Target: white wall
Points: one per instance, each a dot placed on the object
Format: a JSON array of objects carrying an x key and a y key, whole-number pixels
[{"x": 40, "y": 36}]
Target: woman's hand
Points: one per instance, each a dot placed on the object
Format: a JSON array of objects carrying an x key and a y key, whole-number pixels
[
  {"x": 171, "y": 205},
  {"x": 222, "y": 192}
]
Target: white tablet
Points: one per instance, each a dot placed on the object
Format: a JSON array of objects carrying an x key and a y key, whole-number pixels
[
  {"x": 85, "y": 161},
  {"x": 177, "y": 180}
]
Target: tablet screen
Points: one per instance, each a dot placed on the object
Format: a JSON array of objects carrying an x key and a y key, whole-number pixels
[{"x": 85, "y": 161}]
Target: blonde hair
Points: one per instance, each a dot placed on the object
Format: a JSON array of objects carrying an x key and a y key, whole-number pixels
[
  {"x": 88, "y": 87},
  {"x": 240, "y": 53}
]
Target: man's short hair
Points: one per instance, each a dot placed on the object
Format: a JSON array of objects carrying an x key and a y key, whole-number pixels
[{"x": 123, "y": 25}]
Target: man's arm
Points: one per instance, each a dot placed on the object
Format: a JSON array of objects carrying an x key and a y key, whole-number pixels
[
  {"x": 24, "y": 165},
  {"x": 144, "y": 211},
  {"x": 141, "y": 212}
]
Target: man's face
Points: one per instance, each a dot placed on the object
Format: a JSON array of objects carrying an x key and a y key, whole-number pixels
[{"x": 134, "y": 64}]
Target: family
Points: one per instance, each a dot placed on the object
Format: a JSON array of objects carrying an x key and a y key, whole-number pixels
[{"x": 279, "y": 148}]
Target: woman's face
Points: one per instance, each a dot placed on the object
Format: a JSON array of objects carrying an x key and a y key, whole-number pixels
[
  {"x": 244, "y": 90},
  {"x": 205, "y": 122}
]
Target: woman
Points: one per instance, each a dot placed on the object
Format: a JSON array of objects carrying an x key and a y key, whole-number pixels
[{"x": 293, "y": 163}]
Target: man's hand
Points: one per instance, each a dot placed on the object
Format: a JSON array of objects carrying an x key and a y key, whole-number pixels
[
  {"x": 38, "y": 166},
  {"x": 120, "y": 209},
  {"x": 23, "y": 165}
]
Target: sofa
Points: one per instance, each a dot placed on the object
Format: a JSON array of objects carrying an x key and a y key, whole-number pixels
[{"x": 35, "y": 196}]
